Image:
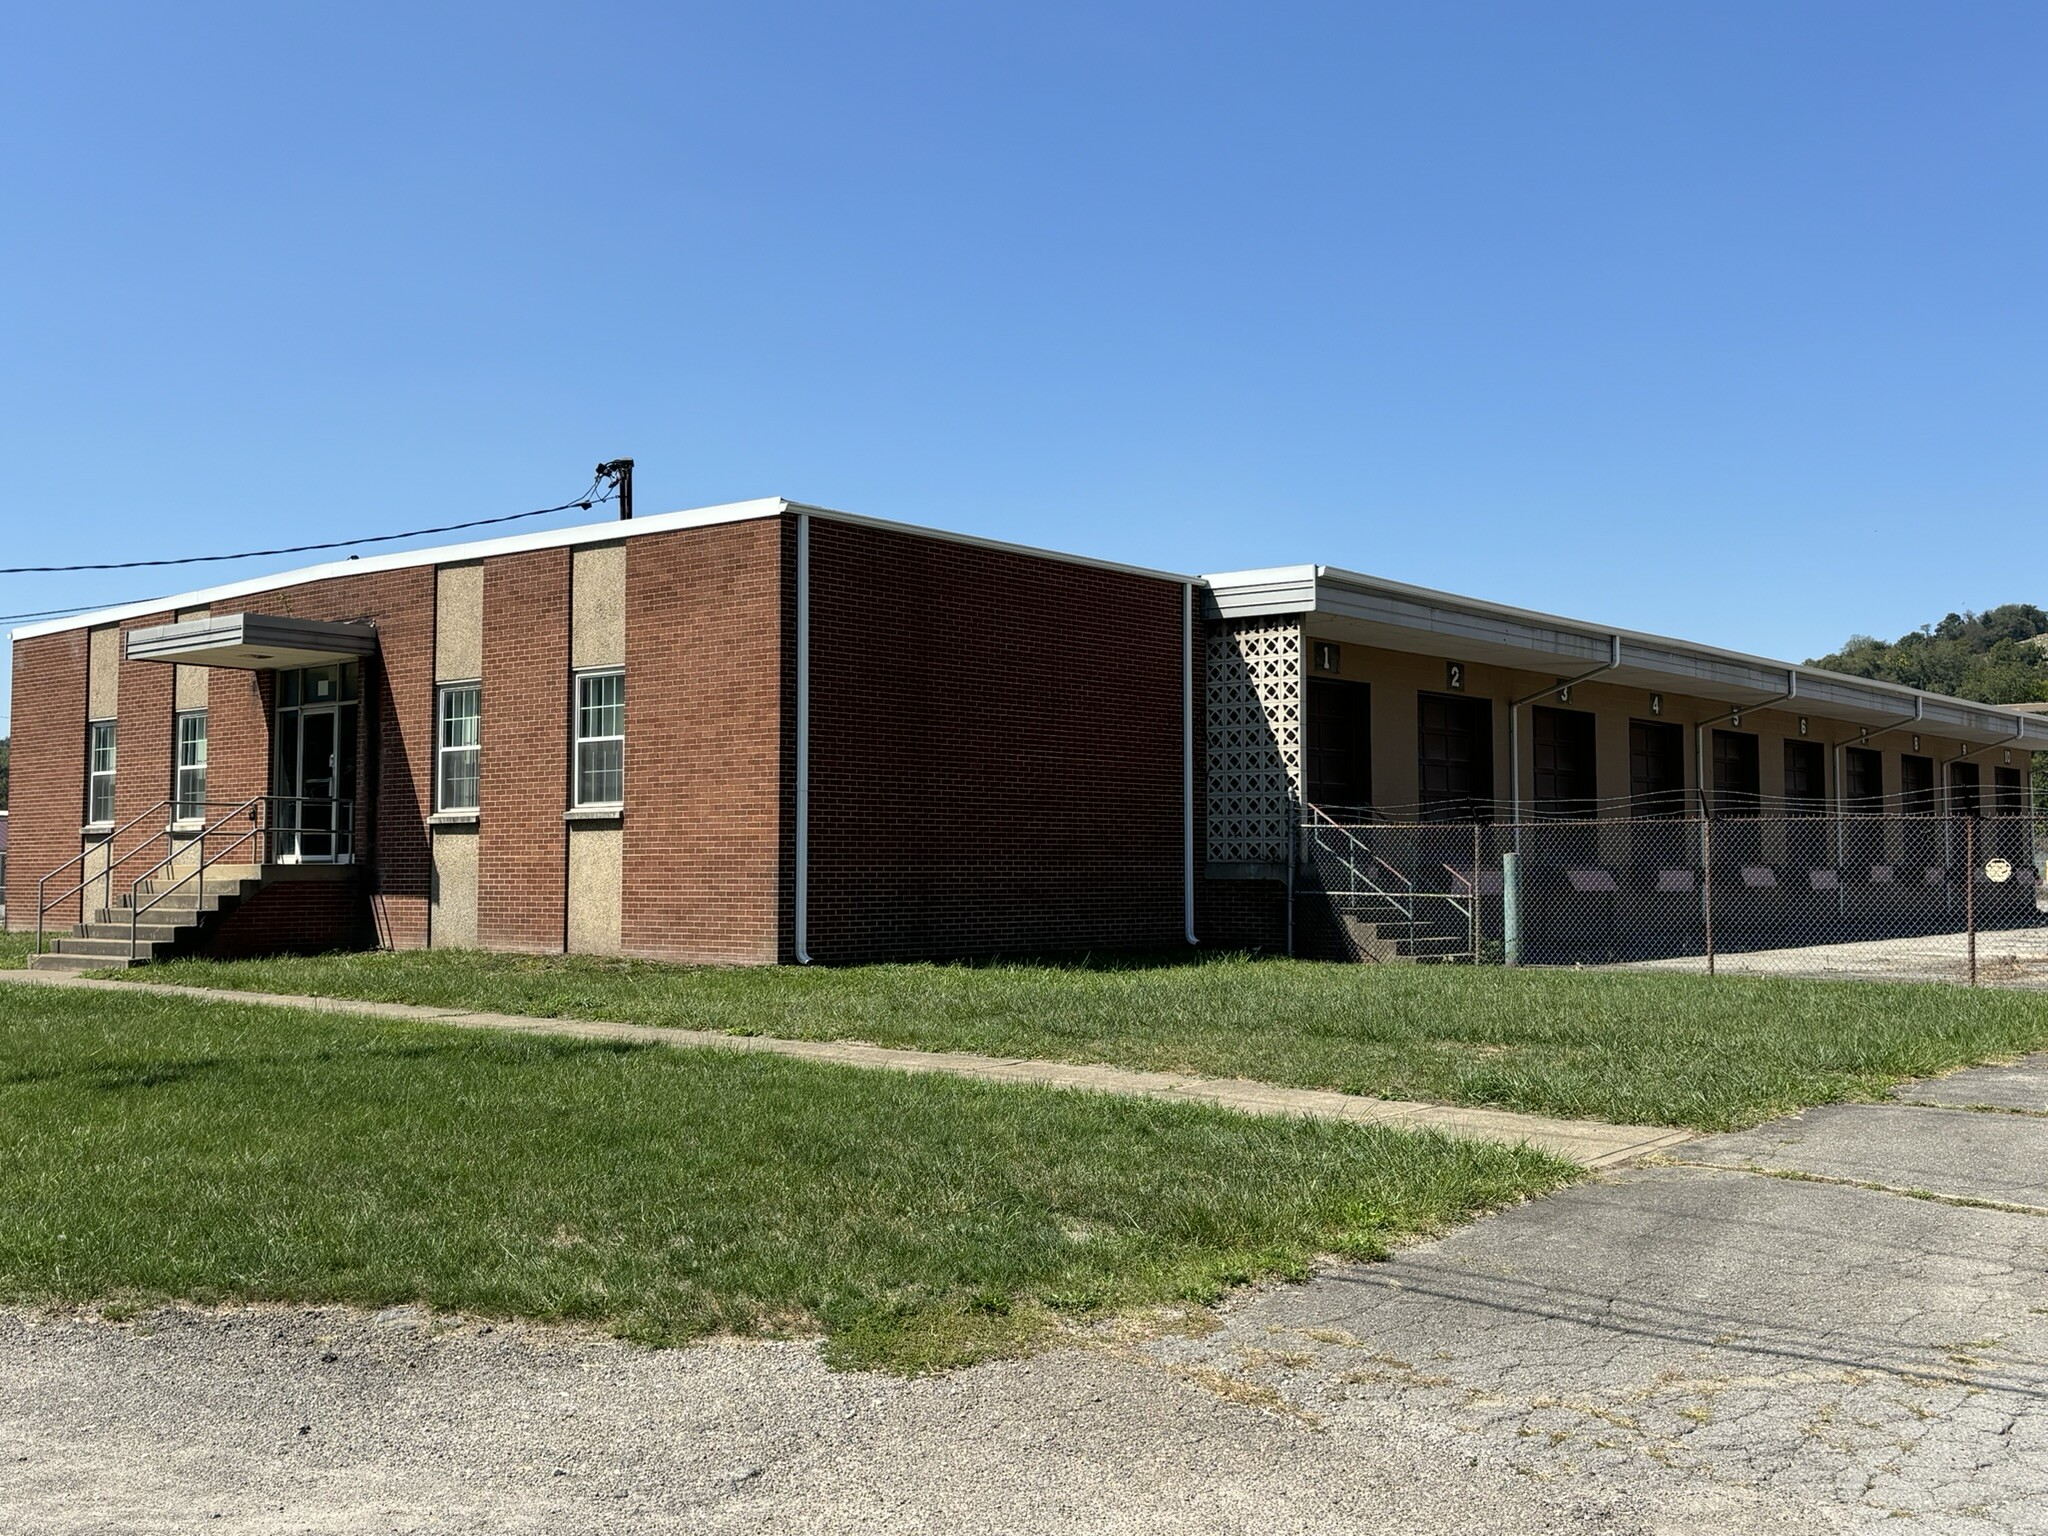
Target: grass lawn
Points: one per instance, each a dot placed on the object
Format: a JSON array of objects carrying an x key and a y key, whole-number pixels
[
  {"x": 1671, "y": 1050},
  {"x": 15, "y": 949},
  {"x": 155, "y": 1147}
]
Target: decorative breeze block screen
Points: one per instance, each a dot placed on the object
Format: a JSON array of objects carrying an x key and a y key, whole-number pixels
[{"x": 1254, "y": 702}]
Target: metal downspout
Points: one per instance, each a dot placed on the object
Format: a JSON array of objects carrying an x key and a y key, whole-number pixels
[
  {"x": 803, "y": 737},
  {"x": 1515, "y": 729},
  {"x": 1733, "y": 712},
  {"x": 1187, "y": 760}
]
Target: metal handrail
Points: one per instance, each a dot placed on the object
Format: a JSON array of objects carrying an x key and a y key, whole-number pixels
[
  {"x": 1373, "y": 886},
  {"x": 263, "y": 824},
  {"x": 43, "y": 906},
  {"x": 136, "y": 906}
]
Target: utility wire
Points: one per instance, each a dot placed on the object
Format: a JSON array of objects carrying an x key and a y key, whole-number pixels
[{"x": 586, "y": 501}]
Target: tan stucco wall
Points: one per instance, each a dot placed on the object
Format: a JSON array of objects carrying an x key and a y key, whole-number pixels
[
  {"x": 459, "y": 622},
  {"x": 451, "y": 906},
  {"x": 597, "y": 622},
  {"x": 189, "y": 688},
  {"x": 103, "y": 674},
  {"x": 596, "y": 858}
]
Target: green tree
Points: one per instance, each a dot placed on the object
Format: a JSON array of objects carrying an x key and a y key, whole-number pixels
[{"x": 1999, "y": 656}]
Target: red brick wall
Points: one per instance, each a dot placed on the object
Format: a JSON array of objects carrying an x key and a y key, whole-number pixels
[
  {"x": 394, "y": 731},
  {"x": 47, "y": 771},
  {"x": 995, "y": 751},
  {"x": 707, "y": 786},
  {"x": 295, "y": 917},
  {"x": 142, "y": 758},
  {"x": 394, "y": 736},
  {"x": 522, "y": 849}
]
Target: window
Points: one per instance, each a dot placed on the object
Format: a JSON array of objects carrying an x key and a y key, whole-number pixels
[
  {"x": 1656, "y": 768},
  {"x": 1455, "y": 758},
  {"x": 1339, "y": 744},
  {"x": 455, "y": 768},
  {"x": 1863, "y": 778},
  {"x": 1563, "y": 753},
  {"x": 188, "y": 768},
  {"x": 601, "y": 739},
  {"x": 99, "y": 796}
]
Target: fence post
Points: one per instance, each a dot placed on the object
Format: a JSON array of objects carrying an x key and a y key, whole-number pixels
[
  {"x": 1474, "y": 923},
  {"x": 1970, "y": 890},
  {"x": 1707, "y": 886}
]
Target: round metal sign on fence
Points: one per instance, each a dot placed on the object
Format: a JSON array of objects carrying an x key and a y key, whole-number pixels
[{"x": 1998, "y": 871}]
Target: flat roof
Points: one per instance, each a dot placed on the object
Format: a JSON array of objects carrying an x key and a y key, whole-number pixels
[
  {"x": 1397, "y": 616},
  {"x": 552, "y": 538},
  {"x": 1371, "y": 608}
]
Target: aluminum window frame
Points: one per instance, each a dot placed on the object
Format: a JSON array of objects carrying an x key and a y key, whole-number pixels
[
  {"x": 98, "y": 814},
  {"x": 188, "y": 772},
  {"x": 585, "y": 743},
  {"x": 445, "y": 752}
]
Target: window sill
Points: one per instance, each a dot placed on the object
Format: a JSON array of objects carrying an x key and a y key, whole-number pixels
[
  {"x": 187, "y": 827},
  {"x": 453, "y": 819},
  {"x": 595, "y": 813},
  {"x": 96, "y": 829}
]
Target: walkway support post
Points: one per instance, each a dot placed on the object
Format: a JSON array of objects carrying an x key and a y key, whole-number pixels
[{"x": 1511, "y": 906}]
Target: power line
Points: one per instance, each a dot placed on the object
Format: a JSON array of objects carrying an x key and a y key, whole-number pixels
[
  {"x": 586, "y": 501},
  {"x": 48, "y": 613}
]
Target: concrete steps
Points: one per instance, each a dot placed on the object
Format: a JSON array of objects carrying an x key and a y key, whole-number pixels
[{"x": 174, "y": 917}]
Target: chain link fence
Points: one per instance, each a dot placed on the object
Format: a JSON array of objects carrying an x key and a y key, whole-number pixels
[{"x": 1893, "y": 897}]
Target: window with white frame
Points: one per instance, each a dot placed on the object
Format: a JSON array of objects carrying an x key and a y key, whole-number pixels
[
  {"x": 455, "y": 773},
  {"x": 188, "y": 770},
  {"x": 600, "y": 739},
  {"x": 99, "y": 794}
]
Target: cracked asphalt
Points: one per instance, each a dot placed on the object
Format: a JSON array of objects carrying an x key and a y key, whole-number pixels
[{"x": 1837, "y": 1322}]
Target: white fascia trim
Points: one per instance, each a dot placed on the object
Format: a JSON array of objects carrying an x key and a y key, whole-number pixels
[
  {"x": 440, "y": 554},
  {"x": 1280, "y": 589},
  {"x": 556, "y": 538}
]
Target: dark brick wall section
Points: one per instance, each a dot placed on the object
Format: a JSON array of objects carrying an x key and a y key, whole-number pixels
[
  {"x": 47, "y": 771},
  {"x": 995, "y": 751},
  {"x": 706, "y": 726},
  {"x": 522, "y": 847},
  {"x": 295, "y": 917}
]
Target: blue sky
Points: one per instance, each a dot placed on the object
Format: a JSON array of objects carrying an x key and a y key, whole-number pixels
[{"x": 1727, "y": 321}]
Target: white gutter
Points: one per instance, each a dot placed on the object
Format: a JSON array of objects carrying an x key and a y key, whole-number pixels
[
  {"x": 1187, "y": 759},
  {"x": 803, "y": 737}
]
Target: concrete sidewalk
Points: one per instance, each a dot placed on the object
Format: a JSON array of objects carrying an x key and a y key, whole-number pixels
[{"x": 1590, "y": 1143}]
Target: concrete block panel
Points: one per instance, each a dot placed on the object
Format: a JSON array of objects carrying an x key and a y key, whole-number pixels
[
  {"x": 458, "y": 622},
  {"x": 103, "y": 677},
  {"x": 598, "y": 598},
  {"x": 451, "y": 921},
  {"x": 596, "y": 864}
]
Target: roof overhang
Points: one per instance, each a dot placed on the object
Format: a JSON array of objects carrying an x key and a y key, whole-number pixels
[
  {"x": 252, "y": 642},
  {"x": 1367, "y": 610}
]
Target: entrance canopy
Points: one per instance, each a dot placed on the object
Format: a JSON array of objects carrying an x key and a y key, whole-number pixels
[{"x": 252, "y": 642}]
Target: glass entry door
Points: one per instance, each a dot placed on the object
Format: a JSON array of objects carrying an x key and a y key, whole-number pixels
[{"x": 314, "y": 813}]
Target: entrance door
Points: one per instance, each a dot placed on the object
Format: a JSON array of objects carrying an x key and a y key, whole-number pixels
[{"x": 313, "y": 816}]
